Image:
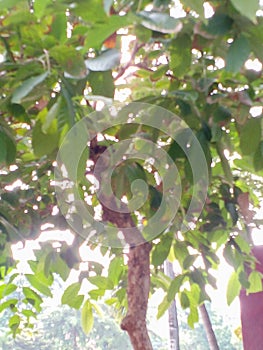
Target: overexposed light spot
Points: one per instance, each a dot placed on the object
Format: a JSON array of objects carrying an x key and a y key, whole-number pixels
[
  {"x": 98, "y": 212},
  {"x": 122, "y": 95},
  {"x": 125, "y": 48},
  {"x": 253, "y": 64},
  {"x": 162, "y": 59},
  {"x": 149, "y": 7},
  {"x": 120, "y": 235},
  {"x": 13, "y": 167},
  {"x": 100, "y": 137},
  {"x": 16, "y": 184},
  {"x": 57, "y": 88},
  {"x": 256, "y": 111},
  {"x": 219, "y": 63},
  {"x": 99, "y": 105},
  {"x": 57, "y": 235},
  {"x": 226, "y": 153},
  {"x": 56, "y": 245},
  {"x": 208, "y": 9},
  {"x": 55, "y": 210},
  {"x": 124, "y": 199},
  {"x": 176, "y": 10}
]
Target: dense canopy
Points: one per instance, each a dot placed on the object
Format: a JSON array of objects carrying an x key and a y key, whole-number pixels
[{"x": 199, "y": 62}]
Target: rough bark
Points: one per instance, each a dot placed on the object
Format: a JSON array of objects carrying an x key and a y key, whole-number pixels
[
  {"x": 172, "y": 314},
  {"x": 138, "y": 292},
  {"x": 211, "y": 338},
  {"x": 138, "y": 284}
]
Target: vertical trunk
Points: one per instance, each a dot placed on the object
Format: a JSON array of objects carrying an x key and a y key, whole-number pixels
[
  {"x": 138, "y": 292},
  {"x": 211, "y": 338},
  {"x": 138, "y": 284},
  {"x": 172, "y": 314}
]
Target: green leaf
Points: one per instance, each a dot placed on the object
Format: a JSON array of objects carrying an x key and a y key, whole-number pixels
[
  {"x": 237, "y": 54},
  {"x": 233, "y": 288},
  {"x": 29, "y": 313},
  {"x": 174, "y": 287},
  {"x": 104, "y": 62},
  {"x": 161, "y": 250},
  {"x": 181, "y": 56},
  {"x": 51, "y": 116},
  {"x": 250, "y": 136},
  {"x": 101, "y": 282},
  {"x": 258, "y": 157},
  {"x": 44, "y": 143},
  {"x": 247, "y": 8},
  {"x": 59, "y": 27},
  {"x": 26, "y": 87},
  {"x": 184, "y": 300},
  {"x": 180, "y": 251},
  {"x": 163, "y": 307},
  {"x": 193, "y": 316},
  {"x": 219, "y": 24},
  {"x": 3, "y": 148},
  {"x": 70, "y": 60},
  {"x": 7, "y": 146},
  {"x": 59, "y": 266},
  {"x": 5, "y": 4},
  {"x": 102, "y": 83},
  {"x": 243, "y": 244},
  {"x": 255, "y": 37},
  {"x": 160, "y": 22},
  {"x": 255, "y": 281},
  {"x": 6, "y": 289},
  {"x": 39, "y": 7},
  {"x": 101, "y": 31},
  {"x": 115, "y": 270},
  {"x": 10, "y": 303},
  {"x": 36, "y": 283},
  {"x": 189, "y": 260},
  {"x": 142, "y": 34},
  {"x": 161, "y": 281},
  {"x": 13, "y": 234},
  {"x": 70, "y": 296},
  {"x": 33, "y": 298},
  {"x": 14, "y": 322},
  {"x": 87, "y": 319}
]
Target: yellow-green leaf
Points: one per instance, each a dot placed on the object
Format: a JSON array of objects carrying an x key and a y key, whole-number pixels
[{"x": 87, "y": 319}]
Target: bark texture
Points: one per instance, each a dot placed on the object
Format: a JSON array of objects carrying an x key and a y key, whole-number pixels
[
  {"x": 138, "y": 284},
  {"x": 208, "y": 329},
  {"x": 138, "y": 292}
]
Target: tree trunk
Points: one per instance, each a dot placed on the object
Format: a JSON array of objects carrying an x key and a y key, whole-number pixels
[
  {"x": 172, "y": 313},
  {"x": 138, "y": 284},
  {"x": 138, "y": 292},
  {"x": 211, "y": 338}
]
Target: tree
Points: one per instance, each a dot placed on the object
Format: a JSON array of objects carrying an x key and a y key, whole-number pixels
[{"x": 60, "y": 64}]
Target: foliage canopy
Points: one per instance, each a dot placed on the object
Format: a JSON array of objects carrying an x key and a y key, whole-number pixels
[{"x": 60, "y": 60}]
